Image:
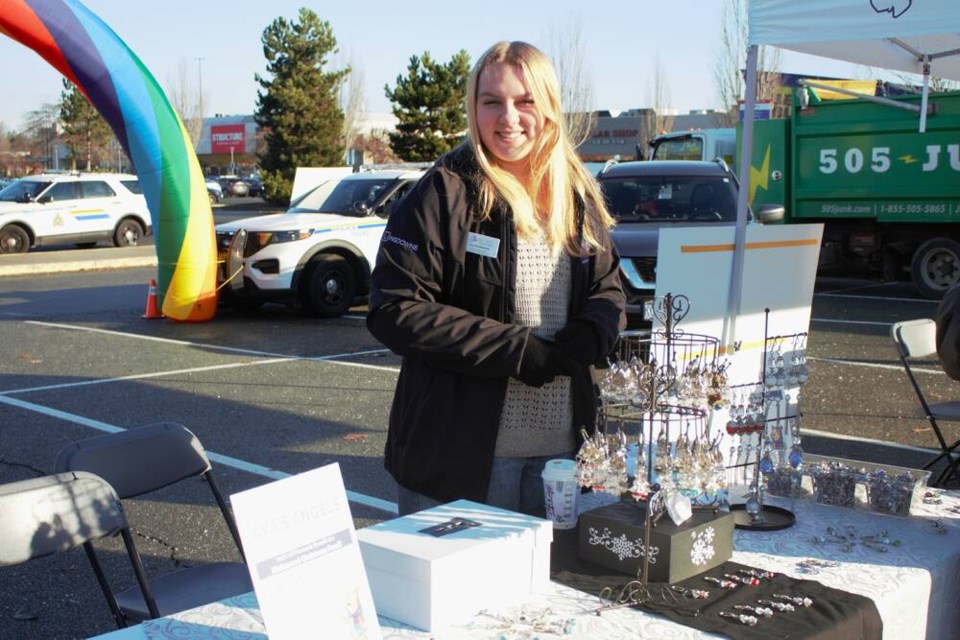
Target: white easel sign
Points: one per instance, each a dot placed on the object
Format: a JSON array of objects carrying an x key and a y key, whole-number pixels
[{"x": 303, "y": 557}]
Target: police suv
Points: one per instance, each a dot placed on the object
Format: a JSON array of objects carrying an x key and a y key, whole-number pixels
[
  {"x": 75, "y": 208},
  {"x": 320, "y": 252}
]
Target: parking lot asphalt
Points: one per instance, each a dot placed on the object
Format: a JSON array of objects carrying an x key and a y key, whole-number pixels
[{"x": 277, "y": 393}]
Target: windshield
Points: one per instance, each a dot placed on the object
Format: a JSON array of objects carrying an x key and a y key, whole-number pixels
[
  {"x": 133, "y": 186},
  {"x": 685, "y": 148},
  {"x": 671, "y": 198},
  {"x": 19, "y": 190},
  {"x": 347, "y": 197}
]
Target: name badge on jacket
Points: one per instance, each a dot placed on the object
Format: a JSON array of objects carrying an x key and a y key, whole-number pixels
[{"x": 482, "y": 245}]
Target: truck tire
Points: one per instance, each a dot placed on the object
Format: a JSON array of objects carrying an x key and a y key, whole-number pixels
[
  {"x": 330, "y": 285},
  {"x": 935, "y": 267}
]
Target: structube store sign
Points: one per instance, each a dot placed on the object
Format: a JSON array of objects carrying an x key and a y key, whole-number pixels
[{"x": 227, "y": 138}]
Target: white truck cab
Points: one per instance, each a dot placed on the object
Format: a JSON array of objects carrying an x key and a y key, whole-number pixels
[{"x": 695, "y": 144}]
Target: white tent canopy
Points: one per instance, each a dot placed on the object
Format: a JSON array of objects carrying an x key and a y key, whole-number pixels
[
  {"x": 918, "y": 36},
  {"x": 891, "y": 34}
]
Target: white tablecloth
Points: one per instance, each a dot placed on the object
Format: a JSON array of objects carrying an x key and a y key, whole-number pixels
[{"x": 915, "y": 585}]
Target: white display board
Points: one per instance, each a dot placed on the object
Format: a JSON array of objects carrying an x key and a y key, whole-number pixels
[
  {"x": 304, "y": 558},
  {"x": 780, "y": 268}
]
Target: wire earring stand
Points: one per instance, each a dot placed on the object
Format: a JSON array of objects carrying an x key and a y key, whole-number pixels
[
  {"x": 660, "y": 384},
  {"x": 771, "y": 450}
]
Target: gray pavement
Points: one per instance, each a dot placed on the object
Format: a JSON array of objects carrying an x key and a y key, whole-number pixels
[
  {"x": 293, "y": 410},
  {"x": 65, "y": 261}
]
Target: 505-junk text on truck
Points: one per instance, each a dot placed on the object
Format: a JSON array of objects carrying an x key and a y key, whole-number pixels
[{"x": 888, "y": 195}]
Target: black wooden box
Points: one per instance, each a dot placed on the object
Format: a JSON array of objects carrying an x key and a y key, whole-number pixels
[{"x": 612, "y": 536}]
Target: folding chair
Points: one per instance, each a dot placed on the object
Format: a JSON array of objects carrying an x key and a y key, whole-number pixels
[
  {"x": 145, "y": 459},
  {"x": 917, "y": 339},
  {"x": 50, "y": 514}
]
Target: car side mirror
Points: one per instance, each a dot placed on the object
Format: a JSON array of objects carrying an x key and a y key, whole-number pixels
[
  {"x": 768, "y": 213},
  {"x": 26, "y": 198},
  {"x": 362, "y": 208}
]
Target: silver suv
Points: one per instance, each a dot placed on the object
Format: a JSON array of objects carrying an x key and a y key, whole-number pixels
[
  {"x": 80, "y": 209},
  {"x": 645, "y": 197}
]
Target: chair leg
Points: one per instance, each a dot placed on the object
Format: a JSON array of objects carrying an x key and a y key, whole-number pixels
[
  {"x": 952, "y": 468},
  {"x": 945, "y": 451}
]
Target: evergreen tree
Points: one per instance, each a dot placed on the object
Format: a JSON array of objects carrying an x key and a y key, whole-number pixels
[
  {"x": 85, "y": 132},
  {"x": 429, "y": 104},
  {"x": 298, "y": 107}
]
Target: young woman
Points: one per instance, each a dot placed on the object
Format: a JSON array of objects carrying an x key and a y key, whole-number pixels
[{"x": 499, "y": 285}]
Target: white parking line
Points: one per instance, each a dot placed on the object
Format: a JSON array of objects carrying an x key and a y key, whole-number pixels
[
  {"x": 274, "y": 358},
  {"x": 873, "y": 285},
  {"x": 227, "y": 461},
  {"x": 141, "y": 376},
  {"x": 875, "y": 365},
  {"x": 863, "y": 322},
  {"x": 843, "y": 295}
]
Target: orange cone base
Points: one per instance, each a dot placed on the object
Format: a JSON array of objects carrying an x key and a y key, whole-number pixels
[{"x": 152, "y": 311}]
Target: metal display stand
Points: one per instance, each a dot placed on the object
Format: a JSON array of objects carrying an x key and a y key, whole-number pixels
[
  {"x": 660, "y": 384},
  {"x": 778, "y": 449}
]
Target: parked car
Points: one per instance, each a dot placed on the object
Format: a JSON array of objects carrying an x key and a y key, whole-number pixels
[
  {"x": 320, "y": 252},
  {"x": 214, "y": 190},
  {"x": 80, "y": 209},
  {"x": 255, "y": 185},
  {"x": 645, "y": 197},
  {"x": 234, "y": 186}
]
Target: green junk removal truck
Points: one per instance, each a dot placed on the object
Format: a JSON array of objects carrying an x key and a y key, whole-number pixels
[{"x": 887, "y": 194}]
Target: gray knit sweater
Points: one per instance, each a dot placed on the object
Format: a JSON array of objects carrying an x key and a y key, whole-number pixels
[{"x": 537, "y": 421}]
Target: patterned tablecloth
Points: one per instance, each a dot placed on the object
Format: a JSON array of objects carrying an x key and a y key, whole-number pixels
[{"x": 915, "y": 584}]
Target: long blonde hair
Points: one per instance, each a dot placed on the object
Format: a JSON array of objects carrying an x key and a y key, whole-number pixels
[{"x": 558, "y": 178}]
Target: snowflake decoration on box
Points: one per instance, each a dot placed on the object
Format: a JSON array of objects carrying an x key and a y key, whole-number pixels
[
  {"x": 702, "y": 550},
  {"x": 621, "y": 546}
]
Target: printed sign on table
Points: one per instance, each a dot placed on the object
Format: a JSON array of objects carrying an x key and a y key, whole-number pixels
[{"x": 304, "y": 560}]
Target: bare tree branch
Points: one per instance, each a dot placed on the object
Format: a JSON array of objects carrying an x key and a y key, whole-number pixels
[
  {"x": 566, "y": 49},
  {"x": 353, "y": 106},
  {"x": 658, "y": 96},
  {"x": 186, "y": 98},
  {"x": 730, "y": 64}
]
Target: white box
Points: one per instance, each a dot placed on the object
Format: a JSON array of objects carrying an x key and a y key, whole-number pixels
[{"x": 430, "y": 581}]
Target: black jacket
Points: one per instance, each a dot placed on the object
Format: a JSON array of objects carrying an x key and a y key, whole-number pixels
[
  {"x": 449, "y": 313},
  {"x": 948, "y": 332}
]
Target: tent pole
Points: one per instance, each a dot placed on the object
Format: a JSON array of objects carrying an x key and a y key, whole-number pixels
[
  {"x": 739, "y": 242},
  {"x": 926, "y": 93}
]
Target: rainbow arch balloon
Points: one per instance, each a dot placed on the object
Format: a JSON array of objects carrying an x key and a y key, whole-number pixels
[{"x": 89, "y": 54}]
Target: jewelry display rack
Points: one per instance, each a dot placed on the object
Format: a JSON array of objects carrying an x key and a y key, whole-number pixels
[
  {"x": 659, "y": 384},
  {"x": 778, "y": 454}
]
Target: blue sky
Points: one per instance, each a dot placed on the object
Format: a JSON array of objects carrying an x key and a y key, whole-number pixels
[{"x": 622, "y": 42}]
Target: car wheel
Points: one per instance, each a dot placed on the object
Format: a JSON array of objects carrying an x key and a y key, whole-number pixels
[
  {"x": 936, "y": 267},
  {"x": 127, "y": 233},
  {"x": 14, "y": 239},
  {"x": 330, "y": 286},
  {"x": 213, "y": 198}
]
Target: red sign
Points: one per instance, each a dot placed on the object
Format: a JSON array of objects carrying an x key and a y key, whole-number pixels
[{"x": 225, "y": 138}]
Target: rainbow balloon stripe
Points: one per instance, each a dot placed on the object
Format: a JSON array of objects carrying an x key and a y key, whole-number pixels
[{"x": 88, "y": 53}]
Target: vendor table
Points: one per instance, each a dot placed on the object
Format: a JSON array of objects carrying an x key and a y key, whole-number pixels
[{"x": 915, "y": 584}]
